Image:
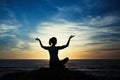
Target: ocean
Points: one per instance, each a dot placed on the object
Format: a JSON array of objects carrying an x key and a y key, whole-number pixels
[{"x": 99, "y": 67}]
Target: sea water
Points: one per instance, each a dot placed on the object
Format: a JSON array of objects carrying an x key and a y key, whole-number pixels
[{"x": 97, "y": 67}]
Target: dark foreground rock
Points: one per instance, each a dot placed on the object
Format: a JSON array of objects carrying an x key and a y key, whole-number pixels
[{"x": 48, "y": 74}]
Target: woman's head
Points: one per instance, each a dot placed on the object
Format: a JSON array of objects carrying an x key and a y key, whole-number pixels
[{"x": 53, "y": 41}]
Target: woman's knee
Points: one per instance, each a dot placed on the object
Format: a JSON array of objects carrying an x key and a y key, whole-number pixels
[{"x": 66, "y": 59}]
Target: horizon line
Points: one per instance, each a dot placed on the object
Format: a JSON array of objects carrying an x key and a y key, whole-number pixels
[{"x": 60, "y": 59}]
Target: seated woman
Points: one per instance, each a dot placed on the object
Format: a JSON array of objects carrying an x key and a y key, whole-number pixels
[{"x": 53, "y": 52}]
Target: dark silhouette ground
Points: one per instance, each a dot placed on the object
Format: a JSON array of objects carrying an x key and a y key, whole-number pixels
[
  {"x": 52, "y": 74},
  {"x": 48, "y": 74}
]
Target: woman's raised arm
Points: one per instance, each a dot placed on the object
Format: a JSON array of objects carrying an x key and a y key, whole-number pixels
[
  {"x": 44, "y": 47},
  {"x": 64, "y": 46}
]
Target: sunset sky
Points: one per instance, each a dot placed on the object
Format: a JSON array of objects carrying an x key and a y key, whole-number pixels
[{"x": 95, "y": 24}]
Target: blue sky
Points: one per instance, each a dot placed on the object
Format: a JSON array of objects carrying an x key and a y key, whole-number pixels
[{"x": 96, "y": 24}]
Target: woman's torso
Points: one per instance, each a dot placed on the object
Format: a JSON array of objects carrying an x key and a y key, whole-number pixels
[{"x": 53, "y": 51}]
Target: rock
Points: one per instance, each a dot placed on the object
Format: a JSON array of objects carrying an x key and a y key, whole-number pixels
[{"x": 49, "y": 74}]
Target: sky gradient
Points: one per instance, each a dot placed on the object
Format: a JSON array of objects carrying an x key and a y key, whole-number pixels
[{"x": 95, "y": 24}]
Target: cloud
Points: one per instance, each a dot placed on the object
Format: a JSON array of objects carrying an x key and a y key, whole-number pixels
[
  {"x": 100, "y": 21},
  {"x": 61, "y": 29},
  {"x": 10, "y": 40},
  {"x": 106, "y": 50},
  {"x": 90, "y": 44},
  {"x": 6, "y": 28},
  {"x": 87, "y": 37},
  {"x": 7, "y": 14},
  {"x": 7, "y": 35},
  {"x": 73, "y": 9},
  {"x": 70, "y": 13},
  {"x": 89, "y": 27},
  {"x": 95, "y": 25}
]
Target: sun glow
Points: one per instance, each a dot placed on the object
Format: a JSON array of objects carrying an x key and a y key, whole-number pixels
[{"x": 62, "y": 30}]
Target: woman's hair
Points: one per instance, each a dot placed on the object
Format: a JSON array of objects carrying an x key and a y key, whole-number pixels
[{"x": 52, "y": 41}]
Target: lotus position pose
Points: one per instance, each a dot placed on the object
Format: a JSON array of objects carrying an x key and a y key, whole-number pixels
[{"x": 53, "y": 52}]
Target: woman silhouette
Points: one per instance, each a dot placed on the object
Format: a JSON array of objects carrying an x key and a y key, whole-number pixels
[{"x": 53, "y": 52}]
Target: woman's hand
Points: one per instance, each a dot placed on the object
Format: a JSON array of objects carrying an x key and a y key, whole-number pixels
[
  {"x": 72, "y": 36},
  {"x": 37, "y": 39}
]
